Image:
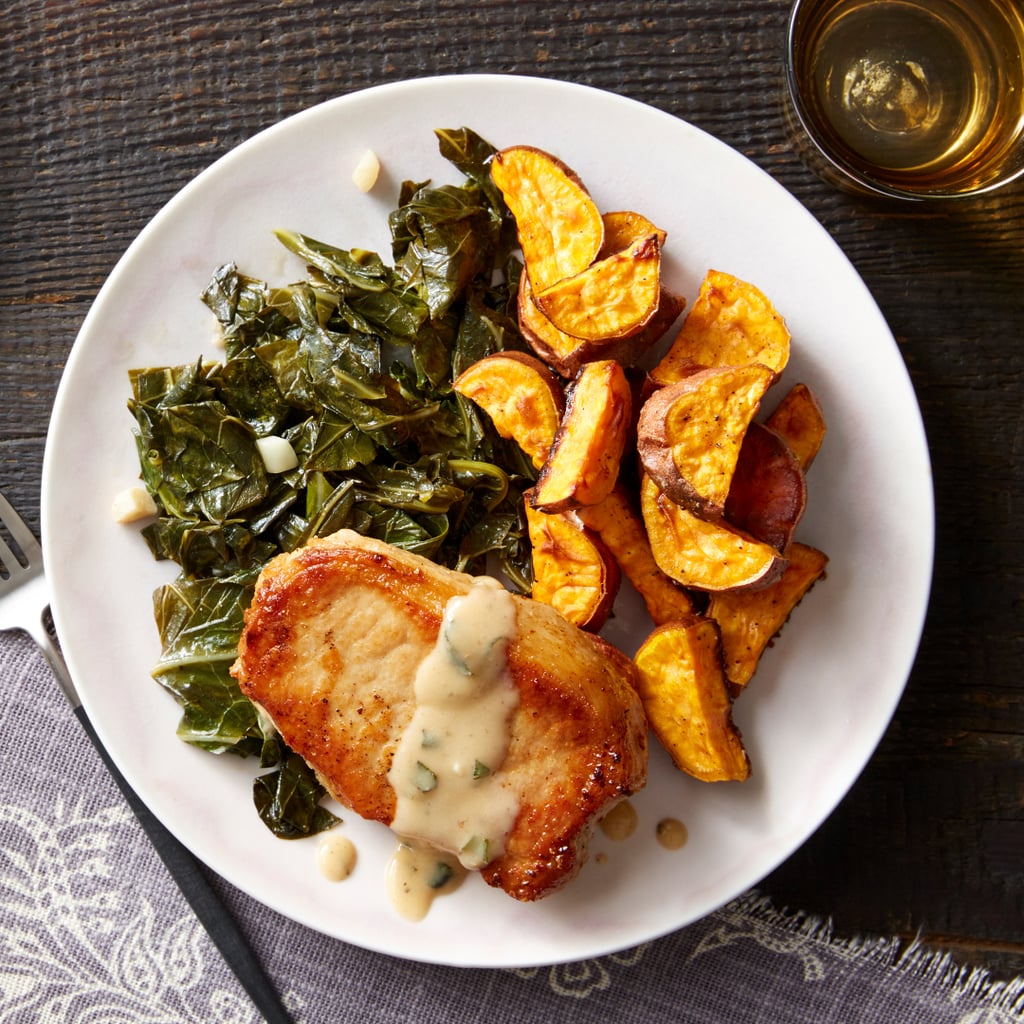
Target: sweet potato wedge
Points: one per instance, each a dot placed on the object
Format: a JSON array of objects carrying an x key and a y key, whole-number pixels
[
  {"x": 622, "y": 228},
  {"x": 621, "y": 529},
  {"x": 731, "y": 323},
  {"x": 567, "y": 354},
  {"x": 799, "y": 419},
  {"x": 749, "y": 621},
  {"x": 584, "y": 462},
  {"x": 684, "y": 692},
  {"x": 558, "y": 349},
  {"x": 523, "y": 398},
  {"x": 768, "y": 494},
  {"x": 573, "y": 570},
  {"x": 613, "y": 298},
  {"x": 559, "y": 226},
  {"x": 690, "y": 433},
  {"x": 702, "y": 554}
]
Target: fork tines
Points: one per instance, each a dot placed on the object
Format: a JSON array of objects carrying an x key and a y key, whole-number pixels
[{"x": 25, "y": 553}]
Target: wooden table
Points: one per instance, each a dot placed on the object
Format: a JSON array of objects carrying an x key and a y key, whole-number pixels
[{"x": 108, "y": 109}]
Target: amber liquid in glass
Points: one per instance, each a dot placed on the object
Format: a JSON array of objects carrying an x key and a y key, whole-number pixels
[{"x": 921, "y": 95}]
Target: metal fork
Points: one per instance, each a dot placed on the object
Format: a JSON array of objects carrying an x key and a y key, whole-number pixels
[{"x": 24, "y": 604}]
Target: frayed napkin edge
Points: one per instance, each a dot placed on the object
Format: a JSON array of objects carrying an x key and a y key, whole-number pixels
[{"x": 915, "y": 959}]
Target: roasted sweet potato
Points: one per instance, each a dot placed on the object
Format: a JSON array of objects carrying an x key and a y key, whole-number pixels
[
  {"x": 702, "y": 554},
  {"x": 749, "y": 621},
  {"x": 799, "y": 419},
  {"x": 584, "y": 462},
  {"x": 684, "y": 692},
  {"x": 690, "y": 433},
  {"x": 731, "y": 323},
  {"x": 768, "y": 493},
  {"x": 613, "y": 298},
  {"x": 523, "y": 398},
  {"x": 573, "y": 570},
  {"x": 560, "y": 350},
  {"x": 559, "y": 226},
  {"x": 567, "y": 354},
  {"x": 620, "y": 527},
  {"x": 623, "y": 227}
]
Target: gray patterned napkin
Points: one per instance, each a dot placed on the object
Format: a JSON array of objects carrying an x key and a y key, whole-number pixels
[{"x": 93, "y": 929}]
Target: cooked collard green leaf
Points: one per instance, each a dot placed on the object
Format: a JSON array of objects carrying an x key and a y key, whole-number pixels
[
  {"x": 199, "y": 623},
  {"x": 442, "y": 239},
  {"x": 199, "y": 460},
  {"x": 288, "y": 800}
]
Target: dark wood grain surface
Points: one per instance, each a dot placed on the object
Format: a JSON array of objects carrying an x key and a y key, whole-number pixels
[{"x": 108, "y": 108}]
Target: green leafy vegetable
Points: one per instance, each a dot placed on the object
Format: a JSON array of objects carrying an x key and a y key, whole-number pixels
[
  {"x": 424, "y": 778},
  {"x": 475, "y": 850},
  {"x": 440, "y": 875},
  {"x": 353, "y": 367},
  {"x": 288, "y": 800},
  {"x": 199, "y": 623}
]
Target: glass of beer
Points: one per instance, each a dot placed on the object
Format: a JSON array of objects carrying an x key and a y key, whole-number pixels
[{"x": 912, "y": 99}]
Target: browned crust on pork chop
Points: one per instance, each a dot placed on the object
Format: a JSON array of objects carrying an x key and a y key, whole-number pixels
[{"x": 330, "y": 649}]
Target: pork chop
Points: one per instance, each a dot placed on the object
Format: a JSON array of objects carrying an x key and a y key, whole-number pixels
[{"x": 330, "y": 650}]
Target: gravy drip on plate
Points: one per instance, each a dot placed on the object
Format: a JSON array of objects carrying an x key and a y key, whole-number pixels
[
  {"x": 446, "y": 771},
  {"x": 417, "y": 874},
  {"x": 620, "y": 822},
  {"x": 335, "y": 857},
  {"x": 671, "y": 833}
]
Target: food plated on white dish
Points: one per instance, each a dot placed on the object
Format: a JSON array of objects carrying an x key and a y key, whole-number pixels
[{"x": 822, "y": 695}]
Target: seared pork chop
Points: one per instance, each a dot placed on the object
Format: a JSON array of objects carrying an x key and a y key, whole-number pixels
[{"x": 330, "y": 650}]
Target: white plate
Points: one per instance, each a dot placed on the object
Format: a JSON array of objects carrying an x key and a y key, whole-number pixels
[{"x": 823, "y": 694}]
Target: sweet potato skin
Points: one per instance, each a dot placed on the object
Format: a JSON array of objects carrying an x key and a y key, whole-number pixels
[
  {"x": 768, "y": 494},
  {"x": 690, "y": 433}
]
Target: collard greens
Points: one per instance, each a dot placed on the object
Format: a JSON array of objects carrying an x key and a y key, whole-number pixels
[{"x": 353, "y": 366}]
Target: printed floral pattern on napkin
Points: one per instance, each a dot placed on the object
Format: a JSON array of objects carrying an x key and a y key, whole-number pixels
[
  {"x": 90, "y": 926},
  {"x": 76, "y": 940}
]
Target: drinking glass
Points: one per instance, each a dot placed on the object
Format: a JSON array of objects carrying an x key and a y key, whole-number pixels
[{"x": 912, "y": 99}]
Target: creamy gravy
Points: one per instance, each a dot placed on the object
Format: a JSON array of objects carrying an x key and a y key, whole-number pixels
[
  {"x": 620, "y": 822},
  {"x": 671, "y": 833},
  {"x": 446, "y": 773},
  {"x": 335, "y": 857},
  {"x": 417, "y": 874}
]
